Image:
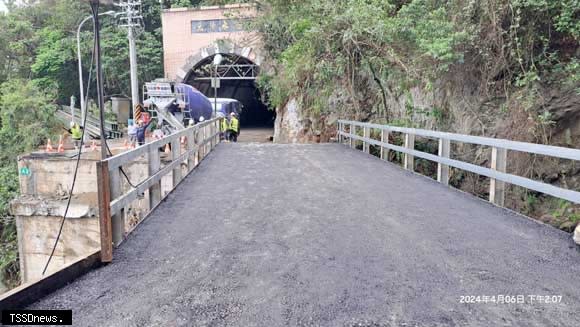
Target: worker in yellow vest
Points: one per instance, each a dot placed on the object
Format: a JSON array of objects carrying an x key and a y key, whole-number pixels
[
  {"x": 233, "y": 128},
  {"x": 76, "y": 134},
  {"x": 224, "y": 128}
]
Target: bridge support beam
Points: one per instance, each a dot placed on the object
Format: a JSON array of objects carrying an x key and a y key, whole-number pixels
[
  {"x": 497, "y": 188},
  {"x": 384, "y": 139},
  {"x": 409, "y": 160},
  {"x": 443, "y": 170}
]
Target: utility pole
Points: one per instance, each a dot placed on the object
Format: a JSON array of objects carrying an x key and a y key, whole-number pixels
[
  {"x": 100, "y": 91},
  {"x": 132, "y": 19}
]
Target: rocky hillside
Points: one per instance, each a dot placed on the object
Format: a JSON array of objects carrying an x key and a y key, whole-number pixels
[{"x": 497, "y": 68}]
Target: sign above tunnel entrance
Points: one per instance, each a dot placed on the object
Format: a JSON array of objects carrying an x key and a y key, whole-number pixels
[
  {"x": 232, "y": 72},
  {"x": 217, "y": 25}
]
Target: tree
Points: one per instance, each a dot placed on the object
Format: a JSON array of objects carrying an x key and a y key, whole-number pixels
[{"x": 26, "y": 121}]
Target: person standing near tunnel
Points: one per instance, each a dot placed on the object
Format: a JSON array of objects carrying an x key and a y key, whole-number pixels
[
  {"x": 225, "y": 123},
  {"x": 233, "y": 128}
]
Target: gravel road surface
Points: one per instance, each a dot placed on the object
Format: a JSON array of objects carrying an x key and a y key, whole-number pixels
[{"x": 322, "y": 235}]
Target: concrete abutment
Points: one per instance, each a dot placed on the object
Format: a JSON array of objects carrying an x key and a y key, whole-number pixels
[{"x": 45, "y": 181}]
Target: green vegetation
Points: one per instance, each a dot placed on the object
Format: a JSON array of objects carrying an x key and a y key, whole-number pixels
[
  {"x": 368, "y": 50},
  {"x": 38, "y": 72}
]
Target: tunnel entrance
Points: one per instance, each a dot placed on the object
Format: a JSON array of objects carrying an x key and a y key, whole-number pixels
[{"x": 237, "y": 81}]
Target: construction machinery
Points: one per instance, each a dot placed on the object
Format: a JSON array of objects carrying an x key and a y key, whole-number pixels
[{"x": 175, "y": 105}]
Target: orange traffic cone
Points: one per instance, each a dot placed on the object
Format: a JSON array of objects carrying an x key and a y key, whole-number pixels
[
  {"x": 60, "y": 148},
  {"x": 93, "y": 146},
  {"x": 49, "y": 146},
  {"x": 167, "y": 148}
]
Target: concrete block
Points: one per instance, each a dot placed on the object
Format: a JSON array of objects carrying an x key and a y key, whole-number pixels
[
  {"x": 80, "y": 206},
  {"x": 42, "y": 204},
  {"x": 79, "y": 238},
  {"x": 51, "y": 175}
]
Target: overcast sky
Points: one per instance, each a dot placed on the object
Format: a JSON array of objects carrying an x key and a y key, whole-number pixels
[{"x": 2, "y": 6}]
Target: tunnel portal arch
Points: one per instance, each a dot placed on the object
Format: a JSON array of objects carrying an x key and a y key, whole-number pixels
[
  {"x": 238, "y": 71},
  {"x": 224, "y": 47}
]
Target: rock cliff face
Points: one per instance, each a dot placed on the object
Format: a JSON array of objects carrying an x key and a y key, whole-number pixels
[
  {"x": 293, "y": 125},
  {"x": 459, "y": 104},
  {"x": 289, "y": 126}
]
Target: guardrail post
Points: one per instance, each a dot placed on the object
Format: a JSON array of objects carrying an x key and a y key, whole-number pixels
[
  {"x": 154, "y": 164},
  {"x": 199, "y": 140},
  {"x": 384, "y": 139},
  {"x": 118, "y": 219},
  {"x": 352, "y": 133},
  {"x": 196, "y": 143},
  {"x": 338, "y": 130},
  {"x": 443, "y": 170},
  {"x": 175, "y": 153},
  {"x": 204, "y": 145},
  {"x": 190, "y": 147},
  {"x": 208, "y": 137},
  {"x": 409, "y": 160},
  {"x": 217, "y": 132},
  {"x": 212, "y": 138},
  {"x": 366, "y": 144},
  {"x": 497, "y": 188},
  {"x": 104, "y": 198}
]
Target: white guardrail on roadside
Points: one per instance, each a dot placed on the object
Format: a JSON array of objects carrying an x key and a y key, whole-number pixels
[
  {"x": 197, "y": 141},
  {"x": 497, "y": 172}
]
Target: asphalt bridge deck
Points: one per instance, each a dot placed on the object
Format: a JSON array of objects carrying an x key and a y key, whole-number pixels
[{"x": 322, "y": 235}]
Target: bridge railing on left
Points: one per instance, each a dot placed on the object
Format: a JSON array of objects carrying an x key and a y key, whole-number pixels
[
  {"x": 499, "y": 152},
  {"x": 117, "y": 192}
]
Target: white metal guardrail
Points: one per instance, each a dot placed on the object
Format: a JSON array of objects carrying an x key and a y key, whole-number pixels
[
  {"x": 199, "y": 141},
  {"x": 499, "y": 147}
]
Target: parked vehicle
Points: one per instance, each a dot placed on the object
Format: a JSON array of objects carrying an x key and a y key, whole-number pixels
[{"x": 226, "y": 106}]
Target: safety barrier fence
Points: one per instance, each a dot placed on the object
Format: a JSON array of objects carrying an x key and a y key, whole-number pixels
[
  {"x": 496, "y": 173},
  {"x": 188, "y": 147}
]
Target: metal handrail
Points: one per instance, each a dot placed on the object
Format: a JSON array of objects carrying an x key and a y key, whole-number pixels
[
  {"x": 497, "y": 173},
  {"x": 113, "y": 201},
  {"x": 548, "y": 150},
  {"x": 124, "y": 157}
]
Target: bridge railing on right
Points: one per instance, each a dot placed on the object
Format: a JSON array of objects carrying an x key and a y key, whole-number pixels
[{"x": 499, "y": 147}]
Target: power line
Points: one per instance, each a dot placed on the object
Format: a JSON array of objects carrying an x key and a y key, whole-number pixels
[
  {"x": 81, "y": 145},
  {"x": 122, "y": 170}
]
